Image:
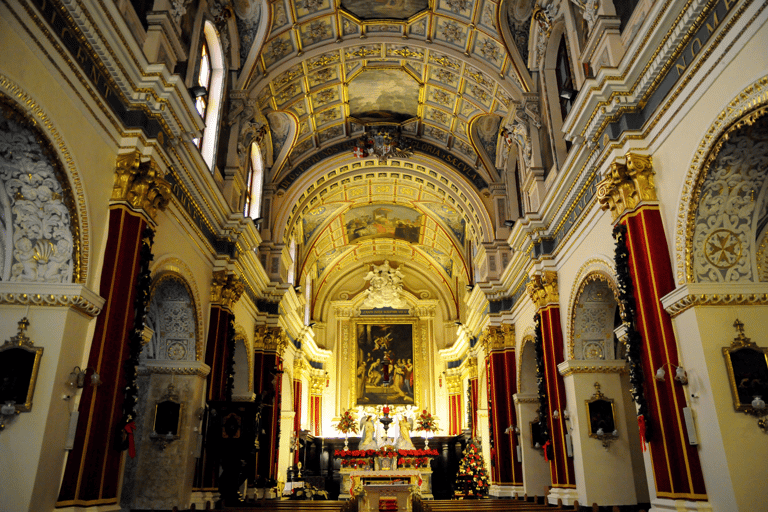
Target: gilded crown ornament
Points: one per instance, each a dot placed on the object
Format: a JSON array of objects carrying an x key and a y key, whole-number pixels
[
  {"x": 140, "y": 184},
  {"x": 627, "y": 185}
]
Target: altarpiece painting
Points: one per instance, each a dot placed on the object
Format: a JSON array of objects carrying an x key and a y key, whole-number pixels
[{"x": 385, "y": 369}]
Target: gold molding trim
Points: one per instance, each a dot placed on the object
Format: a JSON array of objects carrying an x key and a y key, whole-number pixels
[
  {"x": 691, "y": 300},
  {"x": 627, "y": 185},
  {"x": 518, "y": 400},
  {"x": 200, "y": 371},
  {"x": 573, "y": 369},
  {"x": 751, "y": 101},
  {"x": 543, "y": 289},
  {"x": 76, "y": 302}
]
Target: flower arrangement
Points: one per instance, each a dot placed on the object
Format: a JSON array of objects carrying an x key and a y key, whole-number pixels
[
  {"x": 347, "y": 423},
  {"x": 387, "y": 451},
  {"x": 425, "y": 422},
  {"x": 372, "y": 453}
]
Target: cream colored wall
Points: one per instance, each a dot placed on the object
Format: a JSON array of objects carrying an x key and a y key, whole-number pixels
[
  {"x": 728, "y": 439},
  {"x": 32, "y": 444}
]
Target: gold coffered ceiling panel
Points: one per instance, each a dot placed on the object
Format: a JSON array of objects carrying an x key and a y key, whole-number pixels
[{"x": 450, "y": 50}]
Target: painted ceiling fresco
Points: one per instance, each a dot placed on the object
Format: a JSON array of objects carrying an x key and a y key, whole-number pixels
[
  {"x": 384, "y": 9},
  {"x": 445, "y": 65},
  {"x": 383, "y": 96}
]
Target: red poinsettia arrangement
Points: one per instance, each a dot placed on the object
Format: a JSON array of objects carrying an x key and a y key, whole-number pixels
[
  {"x": 347, "y": 423},
  {"x": 387, "y": 451},
  {"x": 425, "y": 422},
  {"x": 355, "y": 453}
]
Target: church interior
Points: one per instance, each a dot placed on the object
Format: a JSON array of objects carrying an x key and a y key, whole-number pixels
[{"x": 383, "y": 253}]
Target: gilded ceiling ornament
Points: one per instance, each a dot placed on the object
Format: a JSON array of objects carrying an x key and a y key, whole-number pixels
[
  {"x": 279, "y": 49},
  {"x": 489, "y": 50},
  {"x": 226, "y": 289},
  {"x": 543, "y": 289},
  {"x": 451, "y": 32},
  {"x": 440, "y": 97},
  {"x": 627, "y": 185},
  {"x": 457, "y": 5},
  {"x": 140, "y": 184}
]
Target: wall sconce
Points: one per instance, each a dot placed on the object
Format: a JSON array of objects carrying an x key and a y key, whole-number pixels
[
  {"x": 680, "y": 375},
  {"x": 606, "y": 438},
  {"x": 76, "y": 379},
  {"x": 327, "y": 380},
  {"x": 7, "y": 411},
  {"x": 555, "y": 414}
]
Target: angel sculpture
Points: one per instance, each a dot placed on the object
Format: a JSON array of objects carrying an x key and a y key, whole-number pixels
[
  {"x": 367, "y": 433},
  {"x": 404, "y": 440}
]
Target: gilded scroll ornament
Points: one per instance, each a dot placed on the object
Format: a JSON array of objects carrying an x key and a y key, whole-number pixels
[
  {"x": 226, "y": 289},
  {"x": 140, "y": 184},
  {"x": 627, "y": 185},
  {"x": 542, "y": 289},
  {"x": 270, "y": 339}
]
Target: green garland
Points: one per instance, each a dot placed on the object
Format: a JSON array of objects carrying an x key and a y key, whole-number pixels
[
  {"x": 541, "y": 381},
  {"x": 634, "y": 339},
  {"x": 135, "y": 338},
  {"x": 229, "y": 368}
]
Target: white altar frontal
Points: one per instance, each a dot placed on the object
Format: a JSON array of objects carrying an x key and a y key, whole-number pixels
[
  {"x": 382, "y": 497},
  {"x": 356, "y": 482}
]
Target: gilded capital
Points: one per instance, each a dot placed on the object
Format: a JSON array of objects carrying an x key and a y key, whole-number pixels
[
  {"x": 226, "y": 289},
  {"x": 267, "y": 338},
  {"x": 627, "y": 185},
  {"x": 453, "y": 383},
  {"x": 543, "y": 290},
  {"x": 498, "y": 337},
  {"x": 140, "y": 184},
  {"x": 316, "y": 385}
]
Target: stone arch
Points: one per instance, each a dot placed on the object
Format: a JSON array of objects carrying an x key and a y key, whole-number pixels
[
  {"x": 592, "y": 319},
  {"x": 174, "y": 265},
  {"x": 730, "y": 211},
  {"x": 526, "y": 378},
  {"x": 171, "y": 317},
  {"x": 746, "y": 108},
  {"x": 41, "y": 187},
  {"x": 599, "y": 268},
  {"x": 243, "y": 351}
]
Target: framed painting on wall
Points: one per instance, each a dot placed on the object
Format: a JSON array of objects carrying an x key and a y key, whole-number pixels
[{"x": 385, "y": 363}]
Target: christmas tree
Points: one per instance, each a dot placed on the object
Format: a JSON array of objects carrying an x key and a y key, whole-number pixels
[{"x": 472, "y": 469}]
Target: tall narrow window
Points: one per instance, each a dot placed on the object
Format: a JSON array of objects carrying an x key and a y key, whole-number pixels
[
  {"x": 203, "y": 79},
  {"x": 253, "y": 183},
  {"x": 211, "y": 77},
  {"x": 292, "y": 254},
  {"x": 564, "y": 76}
]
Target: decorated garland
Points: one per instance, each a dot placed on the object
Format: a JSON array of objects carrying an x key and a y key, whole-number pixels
[
  {"x": 634, "y": 339},
  {"x": 541, "y": 383},
  {"x": 135, "y": 338},
  {"x": 229, "y": 367}
]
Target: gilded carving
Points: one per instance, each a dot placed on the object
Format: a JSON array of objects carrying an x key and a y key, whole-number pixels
[
  {"x": 226, "y": 289},
  {"x": 499, "y": 337},
  {"x": 140, "y": 184},
  {"x": 270, "y": 339},
  {"x": 453, "y": 383},
  {"x": 542, "y": 289},
  {"x": 627, "y": 185},
  {"x": 316, "y": 385}
]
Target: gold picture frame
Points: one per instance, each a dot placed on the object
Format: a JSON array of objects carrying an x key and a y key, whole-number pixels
[
  {"x": 19, "y": 366},
  {"x": 747, "y": 367},
  {"x": 169, "y": 413},
  {"x": 400, "y": 340},
  {"x": 601, "y": 415}
]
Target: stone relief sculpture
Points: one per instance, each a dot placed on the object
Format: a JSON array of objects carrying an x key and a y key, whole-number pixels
[
  {"x": 386, "y": 285},
  {"x": 517, "y": 129},
  {"x": 589, "y": 11},
  {"x": 252, "y": 125},
  {"x": 37, "y": 238}
]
